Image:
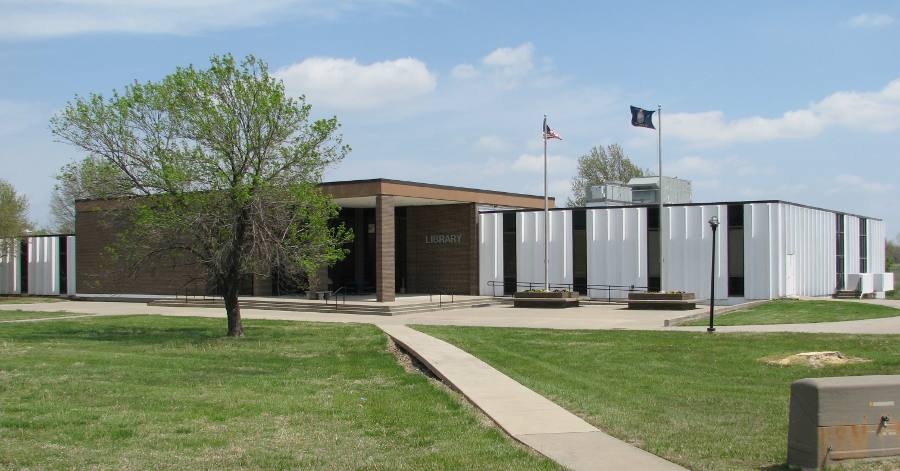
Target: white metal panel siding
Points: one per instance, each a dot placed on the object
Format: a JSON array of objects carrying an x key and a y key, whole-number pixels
[
  {"x": 43, "y": 265},
  {"x": 490, "y": 253},
  {"x": 876, "y": 241},
  {"x": 70, "y": 265},
  {"x": 530, "y": 248},
  {"x": 10, "y": 279},
  {"x": 560, "y": 248},
  {"x": 616, "y": 248},
  {"x": 688, "y": 246},
  {"x": 810, "y": 237},
  {"x": 851, "y": 245},
  {"x": 763, "y": 251}
]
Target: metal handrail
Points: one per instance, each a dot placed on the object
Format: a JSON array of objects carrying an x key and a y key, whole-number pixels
[
  {"x": 334, "y": 293},
  {"x": 570, "y": 286},
  {"x": 440, "y": 292},
  {"x": 185, "y": 286}
]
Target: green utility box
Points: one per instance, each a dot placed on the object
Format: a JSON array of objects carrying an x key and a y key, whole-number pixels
[{"x": 843, "y": 418}]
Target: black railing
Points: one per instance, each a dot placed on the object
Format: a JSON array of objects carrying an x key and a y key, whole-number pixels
[
  {"x": 570, "y": 287},
  {"x": 342, "y": 291},
  {"x": 440, "y": 293},
  {"x": 189, "y": 288}
]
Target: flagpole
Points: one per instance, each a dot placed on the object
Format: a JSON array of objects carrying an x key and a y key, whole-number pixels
[
  {"x": 661, "y": 208},
  {"x": 546, "y": 212}
]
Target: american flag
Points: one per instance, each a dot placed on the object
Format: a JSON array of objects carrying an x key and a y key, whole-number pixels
[{"x": 550, "y": 133}]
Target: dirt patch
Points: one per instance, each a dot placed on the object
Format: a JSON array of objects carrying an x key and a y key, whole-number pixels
[
  {"x": 413, "y": 365},
  {"x": 814, "y": 359},
  {"x": 410, "y": 363}
]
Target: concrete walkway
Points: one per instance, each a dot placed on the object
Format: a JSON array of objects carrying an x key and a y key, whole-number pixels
[
  {"x": 525, "y": 415},
  {"x": 585, "y": 317}
]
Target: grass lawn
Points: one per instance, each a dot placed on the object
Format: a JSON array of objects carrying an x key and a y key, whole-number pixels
[
  {"x": 145, "y": 392},
  {"x": 28, "y": 299},
  {"x": 18, "y": 314},
  {"x": 791, "y": 311},
  {"x": 704, "y": 401}
]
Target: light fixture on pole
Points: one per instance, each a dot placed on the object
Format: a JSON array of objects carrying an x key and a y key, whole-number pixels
[{"x": 714, "y": 224}]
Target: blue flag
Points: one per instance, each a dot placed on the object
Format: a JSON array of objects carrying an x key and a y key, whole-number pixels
[{"x": 641, "y": 118}]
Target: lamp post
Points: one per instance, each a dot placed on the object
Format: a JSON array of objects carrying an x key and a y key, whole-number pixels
[{"x": 714, "y": 224}]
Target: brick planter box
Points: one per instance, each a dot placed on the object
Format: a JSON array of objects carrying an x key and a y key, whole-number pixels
[
  {"x": 661, "y": 301},
  {"x": 552, "y": 300}
]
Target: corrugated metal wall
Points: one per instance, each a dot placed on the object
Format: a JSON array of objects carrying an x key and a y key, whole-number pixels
[
  {"x": 10, "y": 281},
  {"x": 530, "y": 247},
  {"x": 42, "y": 258},
  {"x": 43, "y": 265},
  {"x": 810, "y": 238},
  {"x": 877, "y": 260},
  {"x": 490, "y": 253},
  {"x": 688, "y": 250},
  {"x": 616, "y": 248},
  {"x": 788, "y": 249}
]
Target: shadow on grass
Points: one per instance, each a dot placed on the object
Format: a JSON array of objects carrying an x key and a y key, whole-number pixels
[{"x": 133, "y": 330}]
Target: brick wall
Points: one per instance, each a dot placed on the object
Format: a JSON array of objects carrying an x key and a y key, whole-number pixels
[
  {"x": 385, "y": 291},
  {"x": 97, "y": 225},
  {"x": 435, "y": 259}
]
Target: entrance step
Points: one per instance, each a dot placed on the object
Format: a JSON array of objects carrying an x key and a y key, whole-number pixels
[
  {"x": 847, "y": 294},
  {"x": 368, "y": 308}
]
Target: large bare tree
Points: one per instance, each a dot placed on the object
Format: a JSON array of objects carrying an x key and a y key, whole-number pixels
[
  {"x": 90, "y": 178},
  {"x": 229, "y": 166},
  {"x": 599, "y": 166},
  {"x": 13, "y": 216}
]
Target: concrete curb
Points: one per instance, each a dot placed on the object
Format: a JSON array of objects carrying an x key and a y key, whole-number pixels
[{"x": 719, "y": 310}]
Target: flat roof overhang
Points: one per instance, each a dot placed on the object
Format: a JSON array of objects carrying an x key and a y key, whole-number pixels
[{"x": 362, "y": 194}]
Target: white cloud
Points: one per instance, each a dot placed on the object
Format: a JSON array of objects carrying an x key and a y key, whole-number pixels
[
  {"x": 690, "y": 167},
  {"x": 871, "y": 20},
  {"x": 782, "y": 191},
  {"x": 464, "y": 72},
  {"x": 54, "y": 18},
  {"x": 556, "y": 164},
  {"x": 491, "y": 144},
  {"x": 530, "y": 164},
  {"x": 848, "y": 182},
  {"x": 511, "y": 61},
  {"x": 509, "y": 67},
  {"x": 344, "y": 83},
  {"x": 874, "y": 111}
]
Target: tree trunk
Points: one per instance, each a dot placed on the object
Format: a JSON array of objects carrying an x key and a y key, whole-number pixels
[
  {"x": 231, "y": 285},
  {"x": 233, "y": 309}
]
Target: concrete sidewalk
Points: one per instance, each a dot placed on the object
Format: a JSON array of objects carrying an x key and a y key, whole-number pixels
[
  {"x": 525, "y": 415},
  {"x": 595, "y": 317}
]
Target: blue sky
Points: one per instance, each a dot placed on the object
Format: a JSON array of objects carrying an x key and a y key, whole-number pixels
[{"x": 761, "y": 100}]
